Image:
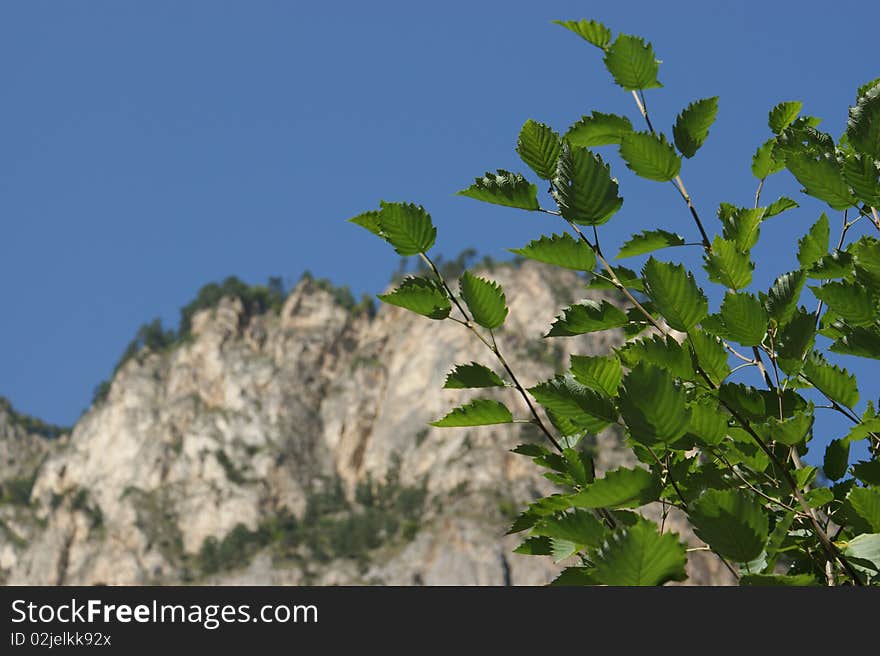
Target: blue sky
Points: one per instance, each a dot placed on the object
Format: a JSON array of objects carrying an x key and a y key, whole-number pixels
[{"x": 151, "y": 147}]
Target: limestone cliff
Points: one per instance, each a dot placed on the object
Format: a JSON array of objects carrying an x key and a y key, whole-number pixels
[{"x": 292, "y": 447}]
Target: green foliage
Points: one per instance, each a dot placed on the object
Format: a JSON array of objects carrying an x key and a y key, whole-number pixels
[
  {"x": 420, "y": 295},
  {"x": 725, "y": 453}
]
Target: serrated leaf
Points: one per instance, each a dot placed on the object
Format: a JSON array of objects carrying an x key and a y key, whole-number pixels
[
  {"x": 653, "y": 405},
  {"x": 834, "y": 382},
  {"x": 728, "y": 265},
  {"x": 577, "y": 526},
  {"x": 562, "y": 250},
  {"x": 420, "y": 295},
  {"x": 465, "y": 376},
  {"x": 836, "y": 459},
  {"x": 794, "y": 339},
  {"x": 863, "y": 126},
  {"x": 778, "y": 206},
  {"x": 598, "y": 373},
  {"x": 504, "y": 188},
  {"x": 791, "y": 431},
  {"x": 583, "y": 187},
  {"x": 531, "y": 450},
  {"x": 866, "y": 503},
  {"x": 741, "y": 225},
  {"x": 742, "y": 319},
  {"x": 534, "y": 546},
  {"x": 627, "y": 277},
  {"x": 650, "y": 156},
  {"x": 538, "y": 146},
  {"x": 730, "y": 522},
  {"x": 764, "y": 164},
  {"x": 853, "y": 302},
  {"x": 575, "y": 576},
  {"x": 782, "y": 299},
  {"x": 407, "y": 227},
  {"x": 708, "y": 423},
  {"x": 675, "y": 294},
  {"x": 619, "y": 488},
  {"x": 756, "y": 405},
  {"x": 798, "y": 580},
  {"x": 814, "y": 245},
  {"x": 593, "y": 31},
  {"x": 481, "y": 412},
  {"x": 587, "y": 317},
  {"x": 665, "y": 353},
  {"x": 369, "y": 221},
  {"x": 639, "y": 555},
  {"x": 692, "y": 125},
  {"x": 648, "y": 241},
  {"x": 865, "y": 549},
  {"x": 868, "y": 472},
  {"x": 838, "y": 264},
  {"x": 859, "y": 341},
  {"x": 710, "y": 354},
  {"x": 485, "y": 299},
  {"x": 861, "y": 173},
  {"x": 821, "y": 178},
  {"x": 572, "y": 401},
  {"x": 783, "y": 114},
  {"x": 598, "y": 129},
  {"x": 632, "y": 63}
]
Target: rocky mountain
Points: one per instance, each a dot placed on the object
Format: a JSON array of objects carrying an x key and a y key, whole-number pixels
[{"x": 292, "y": 447}]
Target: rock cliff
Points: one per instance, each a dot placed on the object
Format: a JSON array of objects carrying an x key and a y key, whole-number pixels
[{"x": 292, "y": 447}]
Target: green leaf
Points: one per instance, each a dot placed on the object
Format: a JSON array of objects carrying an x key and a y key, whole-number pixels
[
  {"x": 587, "y": 317},
  {"x": 838, "y": 264},
  {"x": 485, "y": 299},
  {"x": 741, "y": 225},
  {"x": 577, "y": 526},
  {"x": 472, "y": 375},
  {"x": 598, "y": 129},
  {"x": 861, "y": 173},
  {"x": 836, "y": 459},
  {"x": 865, "y": 548},
  {"x": 648, "y": 241},
  {"x": 728, "y": 265},
  {"x": 756, "y": 405},
  {"x": 420, "y": 295},
  {"x": 504, "y": 188},
  {"x": 799, "y": 580},
  {"x": 599, "y": 373},
  {"x": 583, "y": 187},
  {"x": 627, "y": 277},
  {"x": 640, "y": 555},
  {"x": 369, "y": 221},
  {"x": 710, "y": 354},
  {"x": 794, "y": 339},
  {"x": 574, "y": 576},
  {"x": 866, "y": 87},
  {"x": 632, "y": 63},
  {"x": 863, "y": 126},
  {"x": 819, "y": 496},
  {"x": 538, "y": 146},
  {"x": 742, "y": 319},
  {"x": 593, "y": 31},
  {"x": 619, "y": 488},
  {"x": 407, "y": 227},
  {"x": 708, "y": 422},
  {"x": 653, "y": 405},
  {"x": 868, "y": 472},
  {"x": 763, "y": 162},
  {"x": 859, "y": 341},
  {"x": 534, "y": 546},
  {"x": 783, "y": 114},
  {"x": 866, "y": 503},
  {"x": 791, "y": 431},
  {"x": 480, "y": 412},
  {"x": 650, "y": 156},
  {"x": 821, "y": 179},
  {"x": 571, "y": 401},
  {"x": 853, "y": 302},
  {"x": 665, "y": 353},
  {"x": 778, "y": 206},
  {"x": 836, "y": 383},
  {"x": 675, "y": 293},
  {"x": 730, "y": 522},
  {"x": 783, "y": 296},
  {"x": 692, "y": 125},
  {"x": 562, "y": 250}
]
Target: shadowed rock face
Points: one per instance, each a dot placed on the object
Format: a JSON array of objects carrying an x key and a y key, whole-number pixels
[{"x": 292, "y": 448}]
